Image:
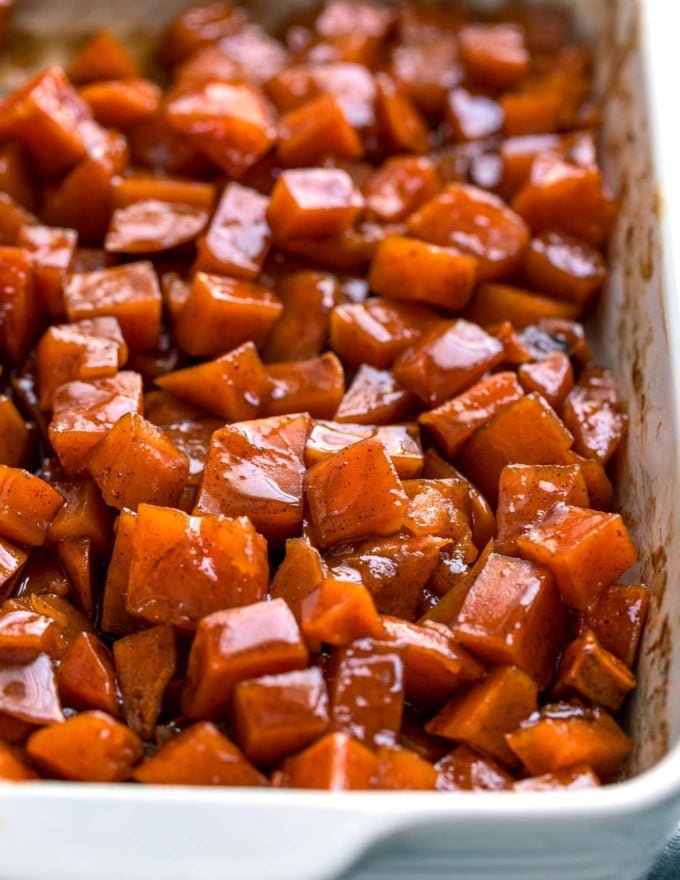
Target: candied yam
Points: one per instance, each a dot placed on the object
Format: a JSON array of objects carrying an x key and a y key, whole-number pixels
[
  {"x": 232, "y": 123},
  {"x": 121, "y": 103},
  {"x": 336, "y": 762},
  {"x": 256, "y": 469},
  {"x": 525, "y": 432},
  {"x": 199, "y": 24},
  {"x": 199, "y": 755},
  {"x": 338, "y": 611},
  {"x": 136, "y": 463},
  {"x": 28, "y": 505},
  {"x": 237, "y": 241},
  {"x": 102, "y": 57},
  {"x": 574, "y": 779},
  {"x": 70, "y": 622},
  {"x": 400, "y": 769},
  {"x": 83, "y": 199},
  {"x": 589, "y": 671},
  {"x": 184, "y": 567},
  {"x": 552, "y": 377},
  {"x": 494, "y": 55},
  {"x": 482, "y": 715},
  {"x": 446, "y": 360},
  {"x": 472, "y": 116},
  {"x": 152, "y": 225},
  {"x": 13, "y": 218},
  {"x": 316, "y": 130},
  {"x": 79, "y": 562},
  {"x": 593, "y": 413},
  {"x": 51, "y": 251},
  {"x": 234, "y": 386},
  {"x": 533, "y": 110},
  {"x": 12, "y": 766},
  {"x": 440, "y": 508},
  {"x": 427, "y": 70},
  {"x": 28, "y": 691},
  {"x": 526, "y": 493},
  {"x": 563, "y": 735},
  {"x": 474, "y": 222},
  {"x": 16, "y": 177},
  {"x": 258, "y": 55},
  {"x": 128, "y": 293},
  {"x": 15, "y": 440},
  {"x": 600, "y": 489},
  {"x": 12, "y": 560},
  {"x": 89, "y": 747},
  {"x": 238, "y": 644},
  {"x": 405, "y": 268},
  {"x": 401, "y": 442},
  {"x": 222, "y": 313},
  {"x": 86, "y": 677},
  {"x": 564, "y": 267},
  {"x": 376, "y": 331},
  {"x": 513, "y": 615},
  {"x": 618, "y": 620},
  {"x": 300, "y": 572},
  {"x": 314, "y": 386},
  {"x": 301, "y": 329},
  {"x": 455, "y": 421},
  {"x": 401, "y": 126},
  {"x": 24, "y": 635},
  {"x": 114, "y": 617},
  {"x": 20, "y": 311},
  {"x": 145, "y": 664},
  {"x": 374, "y": 398},
  {"x": 313, "y": 202},
  {"x": 83, "y": 515},
  {"x": 339, "y": 507},
  {"x": 85, "y": 411},
  {"x": 454, "y": 586},
  {"x": 493, "y": 303},
  {"x": 278, "y": 715},
  {"x": 465, "y": 769},
  {"x": 398, "y": 187}
]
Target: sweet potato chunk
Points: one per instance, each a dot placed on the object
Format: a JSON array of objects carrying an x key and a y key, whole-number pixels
[
  {"x": 339, "y": 507},
  {"x": 114, "y": 617},
  {"x": 552, "y": 377},
  {"x": 239, "y": 644},
  {"x": 153, "y": 225},
  {"x": 398, "y": 187},
  {"x": 136, "y": 463},
  {"x": 400, "y": 124},
  {"x": 586, "y": 550},
  {"x": 593, "y": 413},
  {"x": 77, "y": 558},
  {"x": 89, "y": 747},
  {"x": 465, "y": 769},
  {"x": 315, "y": 130},
  {"x": 374, "y": 398},
  {"x": 401, "y": 769},
  {"x": 336, "y": 762},
  {"x": 302, "y": 328},
  {"x": 564, "y": 267},
  {"x": 12, "y": 767},
  {"x": 27, "y": 506},
  {"x": 28, "y": 691},
  {"x": 20, "y": 311},
  {"x": 618, "y": 619},
  {"x": 199, "y": 755},
  {"x": 314, "y": 386},
  {"x": 86, "y": 677},
  {"x": 300, "y": 572},
  {"x": 401, "y": 443},
  {"x": 427, "y": 69},
  {"x": 122, "y": 103},
  {"x": 256, "y": 469},
  {"x": 590, "y": 671},
  {"x": 184, "y": 567},
  {"x": 472, "y": 116},
  {"x": 278, "y": 715},
  {"x": 24, "y": 635},
  {"x": 494, "y": 55},
  {"x": 493, "y": 303},
  {"x": 51, "y": 251},
  {"x": 337, "y": 612},
  {"x": 102, "y": 57},
  {"x": 313, "y": 203},
  {"x": 15, "y": 441},
  {"x": 84, "y": 515},
  {"x": 200, "y": 24}
]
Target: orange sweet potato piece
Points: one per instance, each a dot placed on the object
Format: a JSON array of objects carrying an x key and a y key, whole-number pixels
[
  {"x": 15, "y": 441},
  {"x": 184, "y": 567},
  {"x": 576, "y": 778},
  {"x": 128, "y": 293},
  {"x": 79, "y": 562},
  {"x": 258, "y": 55},
  {"x": 374, "y": 398},
  {"x": 441, "y": 509},
  {"x": 153, "y": 225},
  {"x": 526, "y": 432},
  {"x": 121, "y": 103},
  {"x": 102, "y": 57},
  {"x": 339, "y": 507},
  {"x": 513, "y": 615},
  {"x": 455, "y": 421},
  {"x": 20, "y": 310},
  {"x": 84, "y": 515},
  {"x": 300, "y": 572},
  {"x": 89, "y": 747},
  {"x": 474, "y": 222},
  {"x": 239, "y": 644},
  {"x": 13, "y": 219},
  {"x": 137, "y": 463},
  {"x": 12, "y": 766},
  {"x": 85, "y": 411},
  {"x": 314, "y": 386},
  {"x": 400, "y": 769},
  {"x": 401, "y": 442},
  {"x": 278, "y": 715},
  {"x": 234, "y": 386},
  {"x": 51, "y": 251},
  {"x": 526, "y": 493},
  {"x": 336, "y": 762},
  {"x": 494, "y": 55},
  {"x": 337, "y": 612},
  {"x": 398, "y": 187},
  {"x": 145, "y": 663},
  {"x": 586, "y": 550},
  {"x": 493, "y": 303},
  {"x": 86, "y": 677},
  {"x": 70, "y": 622},
  {"x": 427, "y": 69},
  {"x": 199, "y": 755},
  {"x": 465, "y": 769},
  {"x": 473, "y": 116},
  {"x": 16, "y": 176},
  {"x": 25, "y": 634},
  {"x": 27, "y": 506},
  {"x": 114, "y": 617},
  {"x": 401, "y": 126},
  {"x": 28, "y": 691},
  {"x": 256, "y": 469},
  {"x": 618, "y": 620},
  {"x": 593, "y": 413},
  {"x": 313, "y": 203},
  {"x": 563, "y": 735},
  {"x": 600, "y": 489},
  {"x": 552, "y": 377},
  {"x": 198, "y": 25},
  {"x": 316, "y": 130},
  {"x": 590, "y": 671},
  {"x": 446, "y": 360},
  {"x": 564, "y": 267},
  {"x": 481, "y": 716},
  {"x": 532, "y": 110},
  {"x": 302, "y": 328}
]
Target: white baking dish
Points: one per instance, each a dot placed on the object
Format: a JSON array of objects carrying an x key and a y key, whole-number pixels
[{"x": 54, "y": 831}]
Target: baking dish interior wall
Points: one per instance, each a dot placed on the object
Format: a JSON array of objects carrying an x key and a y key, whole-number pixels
[{"x": 630, "y": 333}]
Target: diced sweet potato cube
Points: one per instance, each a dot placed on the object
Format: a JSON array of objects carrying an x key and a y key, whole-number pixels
[
  {"x": 259, "y": 55},
  {"x": 28, "y": 691},
  {"x": 339, "y": 507},
  {"x": 70, "y": 622},
  {"x": 473, "y": 116},
  {"x": 314, "y": 386},
  {"x": 552, "y": 377},
  {"x": 618, "y": 619},
  {"x": 128, "y": 293},
  {"x": 315, "y": 130},
  {"x": 278, "y": 715},
  {"x": 145, "y": 663},
  {"x": 494, "y": 55},
  {"x": 375, "y": 332},
  {"x": 600, "y": 489},
  {"x": 12, "y": 766},
  {"x": 234, "y": 386},
  {"x": 465, "y": 769},
  {"x": 513, "y": 615},
  {"x": 526, "y": 432},
  {"x": 446, "y": 360},
  {"x": 586, "y": 550},
  {"x": 152, "y": 225},
  {"x": 564, "y": 267},
  {"x": 427, "y": 69},
  {"x": 86, "y": 677},
  {"x": 336, "y": 762},
  {"x": 474, "y": 222},
  {"x": 89, "y": 747},
  {"x": 401, "y": 769},
  {"x": 85, "y": 411},
  {"x": 232, "y": 123},
  {"x": 199, "y": 755},
  {"x": 481, "y": 716},
  {"x": 455, "y": 421},
  {"x": 222, "y": 313},
  {"x": 27, "y": 506},
  {"x": 84, "y": 515},
  {"x": 256, "y": 469},
  {"x": 592, "y": 411},
  {"x": 184, "y": 567},
  {"x": 440, "y": 508},
  {"x": 374, "y": 398},
  {"x": 337, "y": 612},
  {"x": 83, "y": 199},
  {"x": 24, "y": 635},
  {"x": 102, "y": 57},
  {"x": 13, "y": 218},
  {"x": 51, "y": 251},
  {"x": 535, "y": 109},
  {"x": 526, "y": 493},
  {"x": 198, "y": 25},
  {"x": 575, "y": 778},
  {"x": 16, "y": 176},
  {"x": 136, "y": 463},
  {"x": 238, "y": 644},
  {"x": 313, "y": 203},
  {"x": 209, "y": 63},
  {"x": 435, "y": 665},
  {"x": 300, "y": 572},
  {"x": 493, "y": 303},
  {"x": 77, "y": 557},
  {"x": 302, "y": 328},
  {"x": 398, "y": 187},
  {"x": 401, "y": 126},
  {"x": 122, "y": 103},
  {"x": 20, "y": 310},
  {"x": 15, "y": 440},
  {"x": 114, "y": 617},
  {"x": 563, "y": 735},
  {"x": 590, "y": 671},
  {"x": 237, "y": 241}
]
